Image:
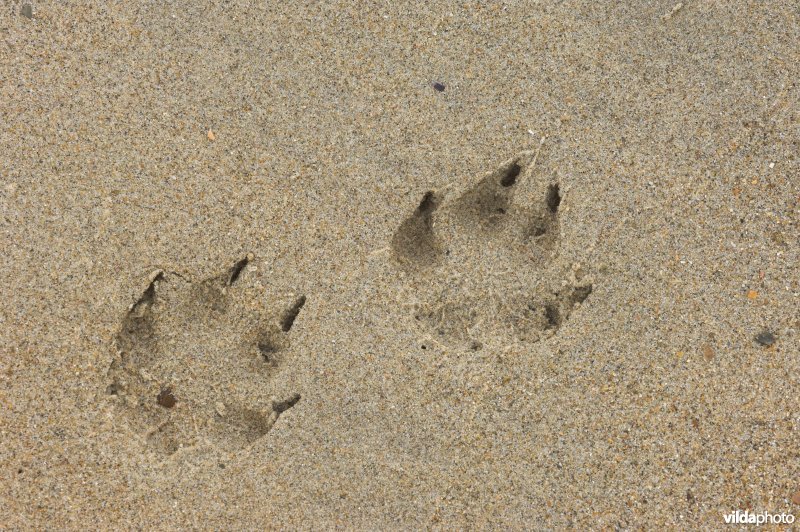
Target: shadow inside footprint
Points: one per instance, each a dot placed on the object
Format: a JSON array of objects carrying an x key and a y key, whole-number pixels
[
  {"x": 543, "y": 229},
  {"x": 137, "y": 336},
  {"x": 271, "y": 342},
  {"x": 240, "y": 426},
  {"x": 414, "y": 241},
  {"x": 551, "y": 313},
  {"x": 487, "y": 203}
]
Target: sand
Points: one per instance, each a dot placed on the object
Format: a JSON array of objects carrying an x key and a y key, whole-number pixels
[{"x": 312, "y": 266}]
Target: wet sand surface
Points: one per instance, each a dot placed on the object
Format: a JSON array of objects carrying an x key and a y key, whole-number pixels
[{"x": 528, "y": 265}]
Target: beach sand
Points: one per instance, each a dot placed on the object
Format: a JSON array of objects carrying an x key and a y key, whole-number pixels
[{"x": 520, "y": 265}]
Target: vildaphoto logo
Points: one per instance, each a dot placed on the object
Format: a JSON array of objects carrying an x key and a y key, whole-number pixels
[{"x": 747, "y": 518}]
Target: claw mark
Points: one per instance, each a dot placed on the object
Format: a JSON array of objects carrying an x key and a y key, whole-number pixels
[
  {"x": 282, "y": 406},
  {"x": 553, "y": 198},
  {"x": 291, "y": 314},
  {"x": 427, "y": 205},
  {"x": 149, "y": 295},
  {"x": 510, "y": 176},
  {"x": 237, "y": 268}
]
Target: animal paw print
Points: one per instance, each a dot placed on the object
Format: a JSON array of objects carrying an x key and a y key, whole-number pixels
[
  {"x": 196, "y": 361},
  {"x": 487, "y": 262}
]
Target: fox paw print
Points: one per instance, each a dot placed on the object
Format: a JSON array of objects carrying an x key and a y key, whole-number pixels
[
  {"x": 201, "y": 361},
  {"x": 484, "y": 260}
]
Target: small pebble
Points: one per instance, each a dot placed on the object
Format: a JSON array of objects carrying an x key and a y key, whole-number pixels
[
  {"x": 765, "y": 338},
  {"x": 166, "y": 398},
  {"x": 796, "y": 498},
  {"x": 27, "y": 11},
  {"x": 438, "y": 86},
  {"x": 708, "y": 352}
]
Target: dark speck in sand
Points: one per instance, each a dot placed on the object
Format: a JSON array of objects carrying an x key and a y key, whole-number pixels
[
  {"x": 765, "y": 338},
  {"x": 438, "y": 86},
  {"x": 27, "y": 11},
  {"x": 166, "y": 398}
]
